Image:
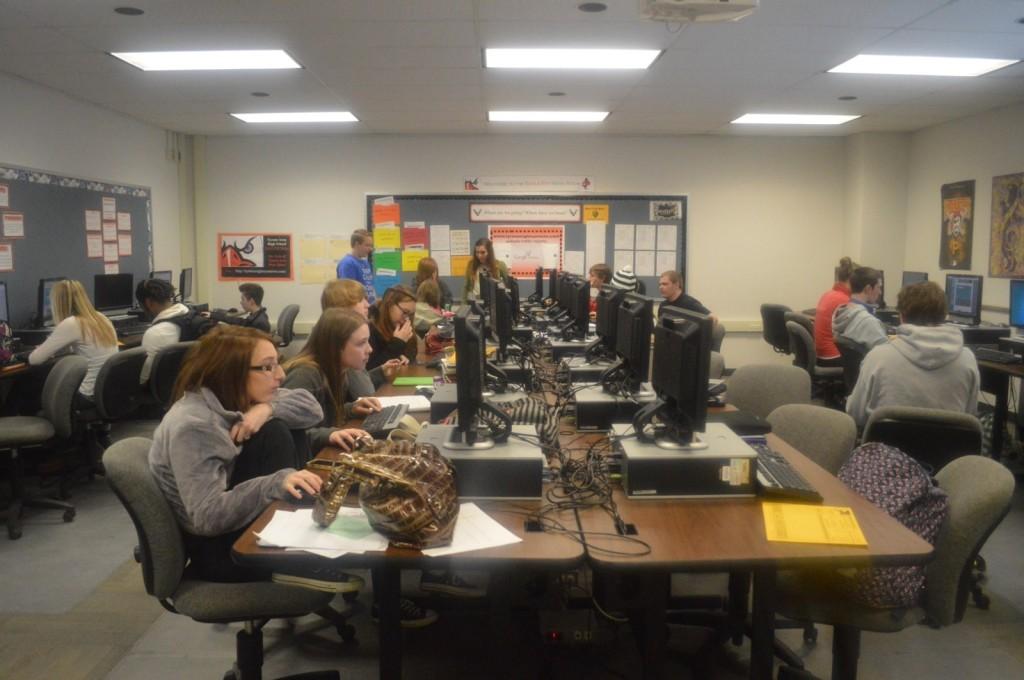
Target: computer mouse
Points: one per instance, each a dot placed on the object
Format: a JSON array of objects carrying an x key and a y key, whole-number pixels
[{"x": 425, "y": 390}]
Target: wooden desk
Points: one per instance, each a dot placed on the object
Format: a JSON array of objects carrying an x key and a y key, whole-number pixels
[
  {"x": 537, "y": 551},
  {"x": 995, "y": 378},
  {"x": 727, "y": 535}
]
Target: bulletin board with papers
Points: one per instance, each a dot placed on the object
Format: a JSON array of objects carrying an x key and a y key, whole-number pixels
[
  {"x": 54, "y": 225},
  {"x": 567, "y": 232}
]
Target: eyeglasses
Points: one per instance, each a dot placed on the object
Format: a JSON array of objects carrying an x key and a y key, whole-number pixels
[
  {"x": 266, "y": 368},
  {"x": 408, "y": 313}
]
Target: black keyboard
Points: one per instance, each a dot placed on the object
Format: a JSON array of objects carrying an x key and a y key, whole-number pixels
[
  {"x": 777, "y": 478},
  {"x": 133, "y": 328},
  {"x": 995, "y": 356},
  {"x": 385, "y": 420}
]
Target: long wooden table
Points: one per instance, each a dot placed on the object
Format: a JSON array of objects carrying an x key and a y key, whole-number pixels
[
  {"x": 995, "y": 378},
  {"x": 727, "y": 535}
]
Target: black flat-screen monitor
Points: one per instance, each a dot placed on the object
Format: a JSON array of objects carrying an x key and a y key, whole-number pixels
[
  {"x": 579, "y": 307},
  {"x": 473, "y": 432},
  {"x": 113, "y": 291},
  {"x": 910, "y": 278},
  {"x": 163, "y": 275},
  {"x": 881, "y": 288},
  {"x": 682, "y": 359},
  {"x": 553, "y": 284},
  {"x": 5, "y": 310},
  {"x": 185, "y": 284},
  {"x": 963, "y": 296},
  {"x": 633, "y": 338},
  {"x": 486, "y": 287},
  {"x": 564, "y": 291},
  {"x": 538, "y": 284},
  {"x": 500, "y": 322},
  {"x": 44, "y": 312},
  {"x": 608, "y": 300},
  {"x": 1017, "y": 303},
  {"x": 513, "y": 290}
]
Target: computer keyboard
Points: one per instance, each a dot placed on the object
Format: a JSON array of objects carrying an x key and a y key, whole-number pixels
[
  {"x": 995, "y": 356},
  {"x": 131, "y": 328},
  {"x": 777, "y": 478},
  {"x": 385, "y": 420}
]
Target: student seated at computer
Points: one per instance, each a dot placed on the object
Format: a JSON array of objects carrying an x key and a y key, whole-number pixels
[
  {"x": 925, "y": 364},
  {"x": 670, "y": 285},
  {"x": 427, "y": 270},
  {"x": 225, "y": 450},
  {"x": 428, "y": 307},
  {"x": 856, "y": 321},
  {"x": 391, "y": 331},
  {"x": 483, "y": 259},
  {"x": 255, "y": 315},
  {"x": 839, "y": 294},
  {"x": 338, "y": 345},
  {"x": 80, "y": 328},
  {"x": 599, "y": 275},
  {"x": 169, "y": 319},
  {"x": 625, "y": 279}
]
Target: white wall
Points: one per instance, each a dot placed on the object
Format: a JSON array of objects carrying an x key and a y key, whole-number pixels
[
  {"x": 979, "y": 147},
  {"x": 43, "y": 129},
  {"x": 765, "y": 215}
]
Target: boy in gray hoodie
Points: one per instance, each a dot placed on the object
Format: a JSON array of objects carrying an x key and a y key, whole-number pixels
[
  {"x": 925, "y": 364},
  {"x": 856, "y": 321}
]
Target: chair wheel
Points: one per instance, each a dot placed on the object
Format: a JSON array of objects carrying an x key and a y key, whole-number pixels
[
  {"x": 347, "y": 632},
  {"x": 69, "y": 514},
  {"x": 350, "y": 596},
  {"x": 811, "y": 635},
  {"x": 13, "y": 533}
]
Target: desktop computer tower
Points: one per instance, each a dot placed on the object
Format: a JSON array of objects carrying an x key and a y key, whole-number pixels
[
  {"x": 727, "y": 468},
  {"x": 597, "y": 409}
]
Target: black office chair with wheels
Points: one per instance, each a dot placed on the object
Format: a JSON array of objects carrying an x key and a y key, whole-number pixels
[
  {"x": 164, "y": 371},
  {"x": 117, "y": 394},
  {"x": 717, "y": 336},
  {"x": 641, "y": 287},
  {"x": 773, "y": 327},
  {"x": 55, "y": 424},
  {"x": 828, "y": 379},
  {"x": 161, "y": 551},
  {"x": 851, "y": 355},
  {"x": 285, "y": 329}
]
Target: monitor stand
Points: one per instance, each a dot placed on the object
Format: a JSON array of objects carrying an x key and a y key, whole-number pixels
[{"x": 667, "y": 434}]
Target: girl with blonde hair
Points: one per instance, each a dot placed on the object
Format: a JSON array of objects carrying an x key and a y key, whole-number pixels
[{"x": 78, "y": 327}]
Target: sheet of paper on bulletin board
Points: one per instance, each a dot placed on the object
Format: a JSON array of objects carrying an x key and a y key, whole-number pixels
[{"x": 525, "y": 247}]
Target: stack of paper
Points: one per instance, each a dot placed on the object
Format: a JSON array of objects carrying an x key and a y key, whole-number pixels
[{"x": 416, "y": 402}]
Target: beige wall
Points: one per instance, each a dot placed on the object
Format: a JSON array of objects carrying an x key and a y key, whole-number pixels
[
  {"x": 765, "y": 215},
  {"x": 980, "y": 147},
  {"x": 43, "y": 129}
]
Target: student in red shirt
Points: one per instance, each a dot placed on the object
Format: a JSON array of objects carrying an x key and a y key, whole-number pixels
[{"x": 839, "y": 294}]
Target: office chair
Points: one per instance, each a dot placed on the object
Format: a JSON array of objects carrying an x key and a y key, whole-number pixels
[
  {"x": 824, "y": 435},
  {"x": 641, "y": 287},
  {"x": 773, "y": 327},
  {"x": 980, "y": 492},
  {"x": 717, "y": 367},
  {"x": 801, "y": 318},
  {"x": 161, "y": 551},
  {"x": 285, "y": 329},
  {"x": 717, "y": 335},
  {"x": 828, "y": 379},
  {"x": 117, "y": 394},
  {"x": 761, "y": 388},
  {"x": 57, "y": 422},
  {"x": 852, "y": 355},
  {"x": 164, "y": 371}
]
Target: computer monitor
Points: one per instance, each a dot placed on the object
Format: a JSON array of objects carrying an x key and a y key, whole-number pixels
[
  {"x": 163, "y": 275},
  {"x": 44, "y": 313},
  {"x": 608, "y": 300},
  {"x": 910, "y": 278},
  {"x": 486, "y": 287},
  {"x": 113, "y": 291},
  {"x": 512, "y": 285},
  {"x": 579, "y": 307},
  {"x": 500, "y": 322},
  {"x": 185, "y": 283},
  {"x": 471, "y": 432},
  {"x": 5, "y": 310},
  {"x": 565, "y": 291},
  {"x": 963, "y": 296},
  {"x": 1017, "y": 303},
  {"x": 632, "y": 344},
  {"x": 881, "y": 288},
  {"x": 553, "y": 284},
  {"x": 538, "y": 284},
  {"x": 682, "y": 359}
]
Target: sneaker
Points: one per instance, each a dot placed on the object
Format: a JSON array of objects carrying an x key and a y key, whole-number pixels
[
  {"x": 448, "y": 583},
  {"x": 413, "y": 615},
  {"x": 327, "y": 579}
]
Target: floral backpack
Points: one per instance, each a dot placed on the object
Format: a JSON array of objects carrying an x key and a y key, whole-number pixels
[
  {"x": 898, "y": 484},
  {"x": 6, "y": 342}
]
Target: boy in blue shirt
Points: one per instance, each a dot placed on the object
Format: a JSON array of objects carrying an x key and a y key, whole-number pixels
[{"x": 356, "y": 265}]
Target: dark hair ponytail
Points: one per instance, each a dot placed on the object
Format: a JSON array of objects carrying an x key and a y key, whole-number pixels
[{"x": 845, "y": 270}]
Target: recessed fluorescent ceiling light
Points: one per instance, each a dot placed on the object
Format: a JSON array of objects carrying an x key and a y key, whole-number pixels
[
  {"x": 569, "y": 59},
  {"x": 208, "y": 60},
  {"x": 791, "y": 119},
  {"x": 298, "y": 117},
  {"x": 546, "y": 116},
  {"x": 898, "y": 65}
]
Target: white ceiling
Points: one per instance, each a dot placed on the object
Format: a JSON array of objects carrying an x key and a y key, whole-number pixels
[{"x": 415, "y": 66}]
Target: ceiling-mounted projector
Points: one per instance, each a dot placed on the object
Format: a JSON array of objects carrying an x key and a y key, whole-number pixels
[{"x": 680, "y": 11}]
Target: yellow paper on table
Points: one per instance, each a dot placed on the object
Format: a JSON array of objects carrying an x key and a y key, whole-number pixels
[
  {"x": 387, "y": 237},
  {"x": 411, "y": 258},
  {"x": 803, "y": 523}
]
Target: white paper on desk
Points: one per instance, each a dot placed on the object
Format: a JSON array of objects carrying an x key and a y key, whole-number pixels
[
  {"x": 624, "y": 236},
  {"x": 350, "y": 532},
  {"x": 416, "y": 402},
  {"x": 645, "y": 235},
  {"x": 474, "y": 530}
]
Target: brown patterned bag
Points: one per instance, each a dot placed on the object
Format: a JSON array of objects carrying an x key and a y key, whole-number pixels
[{"x": 407, "y": 491}]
